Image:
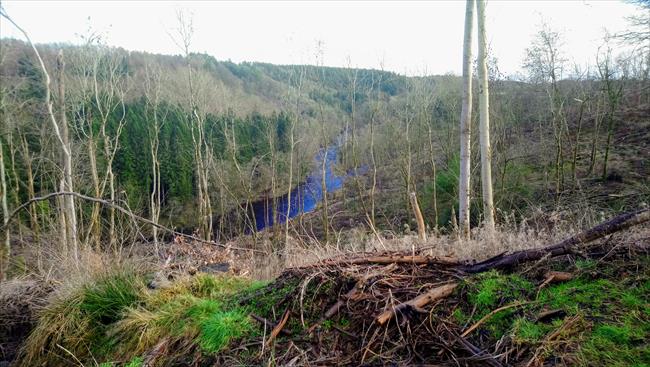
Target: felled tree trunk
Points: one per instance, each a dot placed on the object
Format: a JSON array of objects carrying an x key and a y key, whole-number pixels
[{"x": 616, "y": 224}]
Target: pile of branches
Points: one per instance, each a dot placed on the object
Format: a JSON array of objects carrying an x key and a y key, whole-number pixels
[{"x": 397, "y": 308}]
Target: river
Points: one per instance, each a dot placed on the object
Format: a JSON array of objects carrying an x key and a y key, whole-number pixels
[{"x": 306, "y": 196}]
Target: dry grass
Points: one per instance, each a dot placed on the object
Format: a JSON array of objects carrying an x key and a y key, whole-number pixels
[{"x": 539, "y": 231}]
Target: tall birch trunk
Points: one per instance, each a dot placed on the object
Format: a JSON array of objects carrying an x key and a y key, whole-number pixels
[
  {"x": 6, "y": 247},
  {"x": 70, "y": 216},
  {"x": 465, "y": 124},
  {"x": 484, "y": 124}
]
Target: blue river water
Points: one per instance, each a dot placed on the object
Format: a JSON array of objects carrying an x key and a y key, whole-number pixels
[{"x": 306, "y": 196}]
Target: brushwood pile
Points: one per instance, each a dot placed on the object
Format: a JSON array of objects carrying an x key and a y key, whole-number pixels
[{"x": 589, "y": 308}]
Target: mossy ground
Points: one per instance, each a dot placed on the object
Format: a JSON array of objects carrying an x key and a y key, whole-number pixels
[
  {"x": 600, "y": 317},
  {"x": 608, "y": 305}
]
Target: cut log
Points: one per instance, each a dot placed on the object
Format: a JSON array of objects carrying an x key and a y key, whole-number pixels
[
  {"x": 503, "y": 261},
  {"x": 418, "y": 302}
]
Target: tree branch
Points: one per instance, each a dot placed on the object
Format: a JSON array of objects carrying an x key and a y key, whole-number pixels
[{"x": 120, "y": 209}]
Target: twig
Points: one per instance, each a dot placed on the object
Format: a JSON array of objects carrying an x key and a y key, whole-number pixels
[
  {"x": 489, "y": 315},
  {"x": 278, "y": 328}
]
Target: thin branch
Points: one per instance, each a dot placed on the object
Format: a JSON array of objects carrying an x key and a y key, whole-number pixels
[{"x": 118, "y": 208}]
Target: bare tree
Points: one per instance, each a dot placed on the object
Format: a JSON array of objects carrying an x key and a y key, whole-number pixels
[
  {"x": 6, "y": 247},
  {"x": 545, "y": 62},
  {"x": 297, "y": 87},
  {"x": 613, "y": 91},
  {"x": 153, "y": 85},
  {"x": 109, "y": 88},
  {"x": 465, "y": 124},
  {"x": 70, "y": 216},
  {"x": 183, "y": 39},
  {"x": 484, "y": 125}
]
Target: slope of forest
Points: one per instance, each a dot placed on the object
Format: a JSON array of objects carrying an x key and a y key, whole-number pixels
[
  {"x": 165, "y": 210},
  {"x": 401, "y": 131}
]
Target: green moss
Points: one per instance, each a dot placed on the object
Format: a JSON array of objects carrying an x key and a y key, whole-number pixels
[
  {"x": 327, "y": 324},
  {"x": 493, "y": 288},
  {"x": 617, "y": 345},
  {"x": 460, "y": 316},
  {"x": 135, "y": 362},
  {"x": 528, "y": 332}
]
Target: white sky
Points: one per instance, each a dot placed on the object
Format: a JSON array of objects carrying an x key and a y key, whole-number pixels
[{"x": 410, "y": 37}]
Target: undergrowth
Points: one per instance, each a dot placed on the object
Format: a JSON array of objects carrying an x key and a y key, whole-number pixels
[
  {"x": 609, "y": 304},
  {"x": 599, "y": 317},
  {"x": 116, "y": 318}
]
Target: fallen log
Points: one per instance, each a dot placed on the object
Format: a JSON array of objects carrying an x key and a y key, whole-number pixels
[
  {"x": 503, "y": 261},
  {"x": 393, "y": 259},
  {"x": 418, "y": 302}
]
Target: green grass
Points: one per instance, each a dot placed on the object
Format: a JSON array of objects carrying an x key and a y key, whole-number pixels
[
  {"x": 135, "y": 362},
  {"x": 492, "y": 288},
  {"x": 114, "y": 317},
  {"x": 106, "y": 299},
  {"x": 79, "y": 318},
  {"x": 220, "y": 328}
]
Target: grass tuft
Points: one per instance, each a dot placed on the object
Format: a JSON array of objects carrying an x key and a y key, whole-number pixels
[{"x": 219, "y": 329}]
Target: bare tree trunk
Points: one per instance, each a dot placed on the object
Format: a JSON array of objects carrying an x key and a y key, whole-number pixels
[
  {"x": 94, "y": 229},
  {"x": 153, "y": 84},
  {"x": 31, "y": 193},
  {"x": 70, "y": 213},
  {"x": 594, "y": 140},
  {"x": 6, "y": 247},
  {"x": 422, "y": 233},
  {"x": 433, "y": 178},
  {"x": 289, "y": 181},
  {"x": 484, "y": 125},
  {"x": 574, "y": 161},
  {"x": 62, "y": 136},
  {"x": 465, "y": 124},
  {"x": 16, "y": 184},
  {"x": 373, "y": 160}
]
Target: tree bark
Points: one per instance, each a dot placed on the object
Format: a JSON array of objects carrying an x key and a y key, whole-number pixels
[
  {"x": 422, "y": 233},
  {"x": 70, "y": 216},
  {"x": 6, "y": 247},
  {"x": 465, "y": 124},
  {"x": 484, "y": 125}
]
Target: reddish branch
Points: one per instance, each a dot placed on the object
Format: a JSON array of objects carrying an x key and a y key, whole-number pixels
[{"x": 418, "y": 302}]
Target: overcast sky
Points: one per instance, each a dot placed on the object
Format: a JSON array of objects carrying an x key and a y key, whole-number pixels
[{"x": 408, "y": 37}]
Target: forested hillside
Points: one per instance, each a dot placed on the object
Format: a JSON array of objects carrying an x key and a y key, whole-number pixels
[
  {"x": 127, "y": 110},
  {"x": 180, "y": 210}
]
